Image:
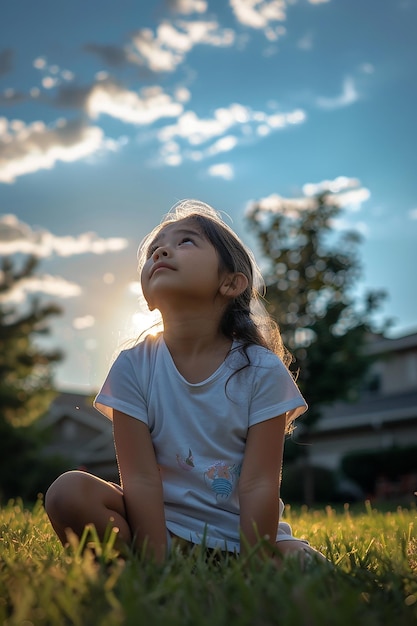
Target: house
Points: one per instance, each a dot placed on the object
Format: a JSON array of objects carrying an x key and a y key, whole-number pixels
[
  {"x": 80, "y": 434},
  {"x": 384, "y": 416}
]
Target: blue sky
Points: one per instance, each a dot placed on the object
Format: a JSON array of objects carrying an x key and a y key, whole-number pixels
[{"x": 112, "y": 110}]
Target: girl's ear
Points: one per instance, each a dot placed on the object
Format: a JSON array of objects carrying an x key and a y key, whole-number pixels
[{"x": 233, "y": 285}]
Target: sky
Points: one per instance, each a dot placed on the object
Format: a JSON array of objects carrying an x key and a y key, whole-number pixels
[{"x": 113, "y": 110}]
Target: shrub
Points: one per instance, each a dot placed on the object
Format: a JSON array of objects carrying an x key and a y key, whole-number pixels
[
  {"x": 365, "y": 467},
  {"x": 293, "y": 480}
]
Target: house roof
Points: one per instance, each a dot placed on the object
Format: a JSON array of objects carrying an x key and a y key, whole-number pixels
[
  {"x": 80, "y": 408},
  {"x": 372, "y": 410},
  {"x": 383, "y": 345}
]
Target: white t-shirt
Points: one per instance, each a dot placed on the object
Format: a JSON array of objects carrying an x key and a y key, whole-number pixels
[{"x": 199, "y": 430}]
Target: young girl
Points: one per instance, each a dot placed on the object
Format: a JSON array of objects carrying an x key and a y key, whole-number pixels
[{"x": 199, "y": 411}]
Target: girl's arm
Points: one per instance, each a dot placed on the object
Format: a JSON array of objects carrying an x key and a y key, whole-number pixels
[
  {"x": 142, "y": 485},
  {"x": 259, "y": 482}
]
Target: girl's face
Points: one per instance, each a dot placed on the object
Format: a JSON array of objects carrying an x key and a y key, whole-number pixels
[{"x": 182, "y": 267}]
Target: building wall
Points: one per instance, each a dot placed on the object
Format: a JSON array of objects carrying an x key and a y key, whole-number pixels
[
  {"x": 349, "y": 428},
  {"x": 328, "y": 449},
  {"x": 399, "y": 372}
]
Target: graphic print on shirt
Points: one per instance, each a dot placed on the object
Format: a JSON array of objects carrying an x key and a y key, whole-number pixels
[
  {"x": 186, "y": 462},
  {"x": 221, "y": 476}
]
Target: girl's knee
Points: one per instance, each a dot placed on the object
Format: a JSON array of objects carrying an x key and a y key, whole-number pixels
[{"x": 64, "y": 493}]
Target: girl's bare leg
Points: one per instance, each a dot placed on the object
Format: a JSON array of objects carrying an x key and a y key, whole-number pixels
[{"x": 77, "y": 498}]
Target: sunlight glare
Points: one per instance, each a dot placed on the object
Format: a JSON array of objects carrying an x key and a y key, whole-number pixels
[{"x": 146, "y": 322}]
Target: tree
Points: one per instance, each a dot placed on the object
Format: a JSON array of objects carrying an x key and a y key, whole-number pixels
[
  {"x": 311, "y": 274},
  {"x": 26, "y": 387}
]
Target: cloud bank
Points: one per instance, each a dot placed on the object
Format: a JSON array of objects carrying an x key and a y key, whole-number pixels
[
  {"x": 347, "y": 193},
  {"x": 167, "y": 47},
  {"x": 195, "y": 131},
  {"x": 55, "y": 286},
  {"x": 26, "y": 148},
  {"x": 18, "y": 237}
]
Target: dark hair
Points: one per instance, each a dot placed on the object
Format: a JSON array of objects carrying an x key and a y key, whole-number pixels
[{"x": 245, "y": 319}]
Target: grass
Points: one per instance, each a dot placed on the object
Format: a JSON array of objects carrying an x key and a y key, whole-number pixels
[{"x": 373, "y": 579}]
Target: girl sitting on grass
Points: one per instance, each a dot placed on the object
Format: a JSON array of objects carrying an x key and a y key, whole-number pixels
[{"x": 199, "y": 411}]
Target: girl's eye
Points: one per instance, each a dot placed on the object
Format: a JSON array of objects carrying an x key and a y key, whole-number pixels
[
  {"x": 186, "y": 240},
  {"x": 151, "y": 250}
]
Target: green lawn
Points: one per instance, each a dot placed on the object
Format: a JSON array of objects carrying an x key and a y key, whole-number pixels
[{"x": 373, "y": 580}]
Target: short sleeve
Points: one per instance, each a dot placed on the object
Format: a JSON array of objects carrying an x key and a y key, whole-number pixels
[
  {"x": 122, "y": 390},
  {"x": 274, "y": 392}
]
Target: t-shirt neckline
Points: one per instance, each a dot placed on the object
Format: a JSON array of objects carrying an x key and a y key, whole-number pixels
[{"x": 216, "y": 374}]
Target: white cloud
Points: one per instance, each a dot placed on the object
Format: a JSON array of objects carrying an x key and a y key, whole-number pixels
[
  {"x": 48, "y": 285},
  {"x": 334, "y": 186},
  {"x": 186, "y": 7},
  {"x": 145, "y": 108},
  {"x": 173, "y": 160},
  {"x": 343, "y": 191},
  {"x": 182, "y": 94},
  {"x": 347, "y": 193},
  {"x": 192, "y": 128},
  {"x": 259, "y": 14},
  {"x": 18, "y": 237},
  {"x": 217, "y": 129},
  {"x": 167, "y": 48},
  {"x": 48, "y": 82},
  {"x": 275, "y": 203},
  {"x": 348, "y": 96},
  {"x": 222, "y": 170},
  {"x": 172, "y": 157},
  {"x": 318, "y": 1},
  {"x": 81, "y": 323},
  {"x": 197, "y": 131},
  {"x": 67, "y": 75},
  {"x": 353, "y": 199},
  {"x": 224, "y": 144},
  {"x": 281, "y": 120},
  {"x": 28, "y": 148},
  {"x": 39, "y": 63},
  {"x": 53, "y": 75},
  {"x": 149, "y": 51},
  {"x": 102, "y": 75},
  {"x": 263, "y": 130}
]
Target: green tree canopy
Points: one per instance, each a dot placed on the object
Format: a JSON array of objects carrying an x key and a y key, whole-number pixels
[
  {"x": 26, "y": 385},
  {"x": 311, "y": 273}
]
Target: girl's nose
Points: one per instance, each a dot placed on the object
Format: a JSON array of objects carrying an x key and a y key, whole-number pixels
[{"x": 161, "y": 251}]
